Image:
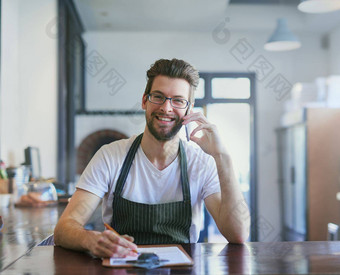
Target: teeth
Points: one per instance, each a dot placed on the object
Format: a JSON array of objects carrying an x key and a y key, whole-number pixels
[{"x": 164, "y": 119}]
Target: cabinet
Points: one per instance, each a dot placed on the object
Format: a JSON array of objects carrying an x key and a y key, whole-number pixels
[{"x": 309, "y": 173}]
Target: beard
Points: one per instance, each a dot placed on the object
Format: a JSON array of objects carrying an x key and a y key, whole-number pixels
[{"x": 163, "y": 133}]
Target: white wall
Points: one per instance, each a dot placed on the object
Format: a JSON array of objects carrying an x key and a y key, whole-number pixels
[
  {"x": 28, "y": 82},
  {"x": 127, "y": 125},
  {"x": 131, "y": 54}
]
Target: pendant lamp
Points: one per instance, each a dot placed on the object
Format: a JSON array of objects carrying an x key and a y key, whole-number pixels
[
  {"x": 319, "y": 6},
  {"x": 282, "y": 39}
]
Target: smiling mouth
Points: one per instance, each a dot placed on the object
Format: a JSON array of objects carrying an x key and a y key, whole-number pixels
[{"x": 165, "y": 119}]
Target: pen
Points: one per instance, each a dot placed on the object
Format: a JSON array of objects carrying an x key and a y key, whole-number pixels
[{"x": 108, "y": 227}]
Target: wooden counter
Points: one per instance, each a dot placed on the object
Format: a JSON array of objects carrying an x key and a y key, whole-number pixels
[
  {"x": 251, "y": 258},
  {"x": 24, "y": 228}
]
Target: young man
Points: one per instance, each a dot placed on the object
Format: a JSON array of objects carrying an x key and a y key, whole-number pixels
[{"x": 153, "y": 185}]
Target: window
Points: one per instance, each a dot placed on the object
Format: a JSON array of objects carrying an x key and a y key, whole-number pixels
[
  {"x": 228, "y": 101},
  {"x": 228, "y": 87}
]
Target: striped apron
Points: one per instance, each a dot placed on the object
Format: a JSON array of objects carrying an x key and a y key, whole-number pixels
[{"x": 163, "y": 223}]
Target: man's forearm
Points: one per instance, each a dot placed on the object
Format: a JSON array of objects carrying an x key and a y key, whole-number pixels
[
  {"x": 233, "y": 217},
  {"x": 72, "y": 235}
]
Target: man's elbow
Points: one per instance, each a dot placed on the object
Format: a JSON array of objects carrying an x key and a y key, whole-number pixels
[
  {"x": 238, "y": 239},
  {"x": 60, "y": 232},
  {"x": 238, "y": 236},
  {"x": 57, "y": 234}
]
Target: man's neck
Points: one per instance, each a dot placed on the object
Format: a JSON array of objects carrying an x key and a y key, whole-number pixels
[{"x": 160, "y": 153}]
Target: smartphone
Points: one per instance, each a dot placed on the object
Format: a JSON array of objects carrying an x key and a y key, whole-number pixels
[
  {"x": 187, "y": 131},
  {"x": 187, "y": 127}
]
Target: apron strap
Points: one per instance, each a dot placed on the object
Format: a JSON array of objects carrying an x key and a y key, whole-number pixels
[
  {"x": 184, "y": 174},
  {"x": 127, "y": 165}
]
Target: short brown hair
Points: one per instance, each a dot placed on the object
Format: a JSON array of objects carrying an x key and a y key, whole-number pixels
[{"x": 174, "y": 68}]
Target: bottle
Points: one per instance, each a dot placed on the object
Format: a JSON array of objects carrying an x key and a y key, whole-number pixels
[
  {"x": 3, "y": 173},
  {"x": 1, "y": 223},
  {"x": 11, "y": 172}
]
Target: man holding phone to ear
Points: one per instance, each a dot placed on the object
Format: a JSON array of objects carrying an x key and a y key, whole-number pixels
[{"x": 153, "y": 185}]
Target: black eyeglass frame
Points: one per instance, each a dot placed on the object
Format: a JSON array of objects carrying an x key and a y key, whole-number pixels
[{"x": 165, "y": 99}]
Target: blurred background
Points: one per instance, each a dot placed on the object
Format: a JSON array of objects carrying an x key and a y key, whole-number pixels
[{"x": 73, "y": 74}]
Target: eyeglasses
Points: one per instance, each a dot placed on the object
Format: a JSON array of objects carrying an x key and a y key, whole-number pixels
[{"x": 176, "y": 102}]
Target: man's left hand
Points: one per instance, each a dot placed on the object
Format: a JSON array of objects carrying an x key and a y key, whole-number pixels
[{"x": 210, "y": 141}]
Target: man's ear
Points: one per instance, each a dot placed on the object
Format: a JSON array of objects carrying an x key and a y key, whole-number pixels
[{"x": 144, "y": 100}]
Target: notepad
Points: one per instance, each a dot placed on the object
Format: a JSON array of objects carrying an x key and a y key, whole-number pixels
[{"x": 174, "y": 254}]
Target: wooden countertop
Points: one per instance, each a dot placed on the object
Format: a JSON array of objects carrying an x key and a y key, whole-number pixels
[
  {"x": 24, "y": 228},
  {"x": 250, "y": 258}
]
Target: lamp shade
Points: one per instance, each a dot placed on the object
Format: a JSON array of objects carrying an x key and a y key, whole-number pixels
[
  {"x": 282, "y": 39},
  {"x": 319, "y": 6}
]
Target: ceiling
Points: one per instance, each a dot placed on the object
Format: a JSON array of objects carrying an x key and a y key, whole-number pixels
[{"x": 198, "y": 15}]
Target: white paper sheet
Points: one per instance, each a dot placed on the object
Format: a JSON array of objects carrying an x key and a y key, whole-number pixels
[{"x": 171, "y": 253}]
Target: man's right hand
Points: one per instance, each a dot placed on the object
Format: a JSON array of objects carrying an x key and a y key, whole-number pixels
[
  {"x": 70, "y": 232},
  {"x": 108, "y": 244}
]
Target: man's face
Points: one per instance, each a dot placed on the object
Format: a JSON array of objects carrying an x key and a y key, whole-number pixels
[{"x": 164, "y": 121}]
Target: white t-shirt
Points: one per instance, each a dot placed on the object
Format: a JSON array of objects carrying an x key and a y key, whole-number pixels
[{"x": 146, "y": 184}]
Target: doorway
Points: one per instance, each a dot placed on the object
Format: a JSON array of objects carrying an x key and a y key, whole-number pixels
[{"x": 228, "y": 101}]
